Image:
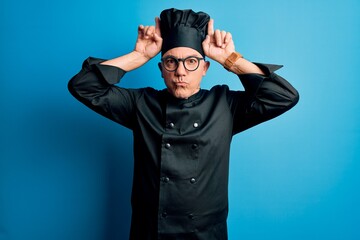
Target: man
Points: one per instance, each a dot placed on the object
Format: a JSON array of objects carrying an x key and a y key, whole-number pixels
[{"x": 182, "y": 134}]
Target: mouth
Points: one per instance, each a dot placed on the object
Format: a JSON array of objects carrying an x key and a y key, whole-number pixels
[{"x": 180, "y": 84}]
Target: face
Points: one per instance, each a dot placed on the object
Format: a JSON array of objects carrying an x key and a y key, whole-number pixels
[{"x": 182, "y": 83}]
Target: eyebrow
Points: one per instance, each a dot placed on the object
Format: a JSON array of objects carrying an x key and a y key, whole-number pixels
[{"x": 181, "y": 58}]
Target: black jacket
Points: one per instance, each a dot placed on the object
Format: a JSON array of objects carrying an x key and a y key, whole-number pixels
[{"x": 182, "y": 147}]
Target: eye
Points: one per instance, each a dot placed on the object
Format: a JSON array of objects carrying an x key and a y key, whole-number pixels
[
  {"x": 191, "y": 61},
  {"x": 170, "y": 61}
]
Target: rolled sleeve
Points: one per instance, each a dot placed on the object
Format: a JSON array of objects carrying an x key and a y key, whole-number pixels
[
  {"x": 110, "y": 74},
  {"x": 267, "y": 95},
  {"x": 95, "y": 87},
  {"x": 252, "y": 82}
]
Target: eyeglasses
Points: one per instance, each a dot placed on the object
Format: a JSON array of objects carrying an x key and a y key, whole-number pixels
[{"x": 190, "y": 63}]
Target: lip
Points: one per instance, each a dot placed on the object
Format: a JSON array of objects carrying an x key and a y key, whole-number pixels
[{"x": 181, "y": 84}]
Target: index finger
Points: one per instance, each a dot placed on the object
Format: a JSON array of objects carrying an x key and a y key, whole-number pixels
[
  {"x": 157, "y": 26},
  {"x": 210, "y": 28}
]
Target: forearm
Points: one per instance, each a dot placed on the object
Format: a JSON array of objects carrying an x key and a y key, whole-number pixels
[
  {"x": 95, "y": 87},
  {"x": 128, "y": 62},
  {"x": 243, "y": 66},
  {"x": 94, "y": 79},
  {"x": 265, "y": 97},
  {"x": 272, "y": 93}
]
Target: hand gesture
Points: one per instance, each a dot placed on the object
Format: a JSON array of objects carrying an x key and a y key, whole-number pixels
[
  {"x": 149, "y": 40},
  {"x": 218, "y": 45}
]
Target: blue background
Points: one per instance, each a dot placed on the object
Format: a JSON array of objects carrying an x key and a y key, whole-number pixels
[{"x": 66, "y": 172}]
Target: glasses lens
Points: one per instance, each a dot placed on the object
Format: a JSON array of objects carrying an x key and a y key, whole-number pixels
[
  {"x": 191, "y": 63},
  {"x": 170, "y": 63}
]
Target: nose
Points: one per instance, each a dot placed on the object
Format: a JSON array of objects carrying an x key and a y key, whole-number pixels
[{"x": 180, "y": 71}]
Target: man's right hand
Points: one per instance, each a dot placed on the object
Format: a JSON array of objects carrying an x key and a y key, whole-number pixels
[
  {"x": 148, "y": 45},
  {"x": 149, "y": 40}
]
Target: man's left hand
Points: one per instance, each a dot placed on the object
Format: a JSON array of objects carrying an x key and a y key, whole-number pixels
[{"x": 218, "y": 45}]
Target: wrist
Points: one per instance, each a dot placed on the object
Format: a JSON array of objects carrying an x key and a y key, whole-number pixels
[
  {"x": 128, "y": 62},
  {"x": 231, "y": 59},
  {"x": 142, "y": 57}
]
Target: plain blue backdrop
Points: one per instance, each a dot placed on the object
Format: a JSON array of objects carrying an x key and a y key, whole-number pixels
[{"x": 66, "y": 172}]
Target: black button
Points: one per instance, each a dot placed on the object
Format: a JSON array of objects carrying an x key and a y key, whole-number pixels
[
  {"x": 192, "y": 180},
  {"x": 167, "y": 145},
  {"x": 194, "y": 146},
  {"x": 165, "y": 179},
  {"x": 191, "y": 216},
  {"x": 164, "y": 214}
]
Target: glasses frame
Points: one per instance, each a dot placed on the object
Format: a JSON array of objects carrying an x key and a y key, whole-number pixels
[{"x": 181, "y": 60}]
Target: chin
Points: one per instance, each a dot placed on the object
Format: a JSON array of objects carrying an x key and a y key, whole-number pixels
[{"x": 181, "y": 94}]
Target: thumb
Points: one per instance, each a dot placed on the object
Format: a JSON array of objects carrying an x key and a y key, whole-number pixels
[{"x": 206, "y": 41}]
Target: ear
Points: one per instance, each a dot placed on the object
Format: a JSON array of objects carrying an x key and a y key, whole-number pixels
[
  {"x": 206, "y": 67},
  {"x": 160, "y": 67}
]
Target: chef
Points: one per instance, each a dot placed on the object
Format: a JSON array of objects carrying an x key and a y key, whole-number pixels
[{"x": 182, "y": 133}]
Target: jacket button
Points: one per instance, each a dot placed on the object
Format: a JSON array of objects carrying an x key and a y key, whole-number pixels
[
  {"x": 165, "y": 179},
  {"x": 164, "y": 214},
  {"x": 195, "y": 125},
  {"x": 191, "y": 216},
  {"x": 194, "y": 146},
  {"x": 167, "y": 145},
  {"x": 171, "y": 125},
  {"x": 192, "y": 180}
]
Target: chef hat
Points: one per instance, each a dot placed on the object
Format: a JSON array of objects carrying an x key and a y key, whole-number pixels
[{"x": 183, "y": 28}]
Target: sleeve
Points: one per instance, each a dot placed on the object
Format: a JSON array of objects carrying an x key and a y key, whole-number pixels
[
  {"x": 265, "y": 97},
  {"x": 94, "y": 87}
]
